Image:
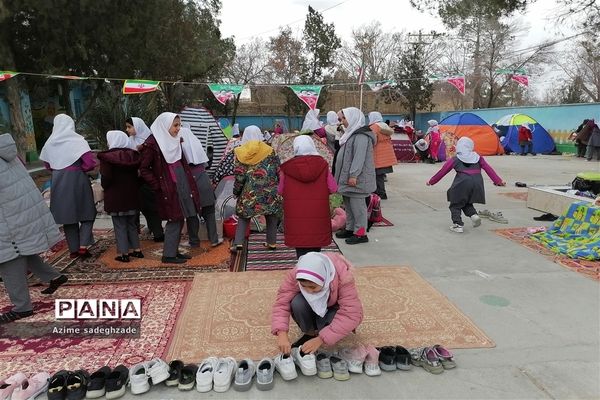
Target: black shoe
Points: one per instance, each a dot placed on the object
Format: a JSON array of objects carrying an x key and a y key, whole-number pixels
[
  {"x": 188, "y": 377},
  {"x": 55, "y": 284},
  {"x": 14, "y": 315},
  {"x": 136, "y": 254},
  {"x": 357, "y": 239},
  {"x": 175, "y": 368},
  {"x": 403, "y": 359},
  {"x": 57, "y": 386},
  {"x": 343, "y": 234},
  {"x": 77, "y": 385},
  {"x": 302, "y": 340},
  {"x": 116, "y": 382},
  {"x": 159, "y": 239},
  {"x": 96, "y": 388},
  {"x": 184, "y": 256},
  {"x": 546, "y": 217},
  {"x": 173, "y": 260},
  {"x": 383, "y": 197},
  {"x": 122, "y": 258},
  {"x": 387, "y": 358}
]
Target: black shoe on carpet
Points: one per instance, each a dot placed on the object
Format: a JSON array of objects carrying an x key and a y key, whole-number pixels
[
  {"x": 55, "y": 284},
  {"x": 14, "y": 315},
  {"x": 184, "y": 256},
  {"x": 136, "y": 254},
  {"x": 546, "y": 217},
  {"x": 159, "y": 239},
  {"x": 357, "y": 239},
  {"x": 173, "y": 260}
]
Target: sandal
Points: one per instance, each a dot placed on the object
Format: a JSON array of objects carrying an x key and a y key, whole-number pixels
[
  {"x": 425, "y": 357},
  {"x": 122, "y": 258},
  {"x": 270, "y": 246},
  {"x": 445, "y": 356}
]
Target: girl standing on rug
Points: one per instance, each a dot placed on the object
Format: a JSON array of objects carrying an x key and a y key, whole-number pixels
[
  {"x": 138, "y": 132},
  {"x": 305, "y": 183},
  {"x": 197, "y": 159},
  {"x": 255, "y": 186},
  {"x": 320, "y": 294},
  {"x": 383, "y": 152},
  {"x": 168, "y": 174},
  {"x": 69, "y": 157},
  {"x": 467, "y": 187},
  {"x": 119, "y": 178},
  {"x": 435, "y": 139}
]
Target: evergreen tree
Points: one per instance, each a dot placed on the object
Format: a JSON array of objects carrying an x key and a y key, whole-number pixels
[
  {"x": 411, "y": 76},
  {"x": 320, "y": 42}
]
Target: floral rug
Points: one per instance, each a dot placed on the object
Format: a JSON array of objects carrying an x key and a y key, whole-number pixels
[
  {"x": 230, "y": 315},
  {"x": 516, "y": 195},
  {"x": 590, "y": 269},
  {"x": 28, "y": 352}
]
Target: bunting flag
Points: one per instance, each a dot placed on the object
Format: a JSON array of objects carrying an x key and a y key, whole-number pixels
[
  {"x": 138, "y": 86},
  {"x": 521, "y": 79},
  {"x": 518, "y": 75},
  {"x": 225, "y": 92},
  {"x": 71, "y": 77},
  {"x": 376, "y": 86},
  {"x": 4, "y": 75},
  {"x": 458, "y": 82},
  {"x": 309, "y": 94}
]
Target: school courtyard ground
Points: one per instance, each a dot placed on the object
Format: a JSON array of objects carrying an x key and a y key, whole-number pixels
[{"x": 543, "y": 317}]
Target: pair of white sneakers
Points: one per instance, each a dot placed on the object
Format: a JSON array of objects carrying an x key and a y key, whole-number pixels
[
  {"x": 215, "y": 374},
  {"x": 155, "y": 370},
  {"x": 286, "y": 365}
]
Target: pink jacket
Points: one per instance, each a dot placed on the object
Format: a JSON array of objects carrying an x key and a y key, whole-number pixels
[{"x": 343, "y": 292}]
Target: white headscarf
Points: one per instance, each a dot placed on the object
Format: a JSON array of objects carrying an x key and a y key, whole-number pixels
[
  {"x": 252, "y": 132},
  {"x": 64, "y": 146},
  {"x": 332, "y": 118},
  {"x": 142, "y": 132},
  {"x": 192, "y": 147},
  {"x": 304, "y": 146},
  {"x": 170, "y": 146},
  {"x": 356, "y": 120},
  {"x": 117, "y": 140},
  {"x": 375, "y": 116},
  {"x": 525, "y": 125},
  {"x": 464, "y": 150},
  {"x": 432, "y": 123},
  {"x": 311, "y": 121},
  {"x": 317, "y": 268}
]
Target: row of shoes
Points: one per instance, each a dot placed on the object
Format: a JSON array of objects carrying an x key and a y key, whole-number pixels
[
  {"x": 21, "y": 387},
  {"x": 434, "y": 359}
]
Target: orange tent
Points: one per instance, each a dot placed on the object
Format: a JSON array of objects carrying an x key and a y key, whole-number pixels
[{"x": 470, "y": 125}]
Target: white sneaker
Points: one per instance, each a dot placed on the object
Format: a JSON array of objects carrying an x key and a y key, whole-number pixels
[
  {"x": 224, "y": 374},
  {"x": 158, "y": 371},
  {"x": 476, "y": 220},
  {"x": 243, "y": 376},
  {"x": 286, "y": 367},
  {"x": 457, "y": 228},
  {"x": 372, "y": 369},
  {"x": 353, "y": 359},
  {"x": 138, "y": 378},
  {"x": 307, "y": 362},
  {"x": 205, "y": 374}
]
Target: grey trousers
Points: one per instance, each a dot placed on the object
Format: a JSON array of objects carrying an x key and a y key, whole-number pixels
[
  {"x": 14, "y": 276},
  {"x": 356, "y": 215},
  {"x": 79, "y": 235},
  {"x": 306, "y": 318},
  {"x": 240, "y": 231},
  {"x": 193, "y": 225},
  {"x": 457, "y": 208},
  {"x": 126, "y": 233},
  {"x": 172, "y": 238}
]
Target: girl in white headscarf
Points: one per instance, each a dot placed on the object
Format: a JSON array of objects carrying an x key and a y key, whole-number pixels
[
  {"x": 69, "y": 157},
  {"x": 119, "y": 178},
  {"x": 138, "y": 132},
  {"x": 435, "y": 139},
  {"x": 197, "y": 159},
  {"x": 355, "y": 173},
  {"x": 306, "y": 183},
  {"x": 467, "y": 187},
  {"x": 167, "y": 172},
  {"x": 332, "y": 131},
  {"x": 320, "y": 295}
]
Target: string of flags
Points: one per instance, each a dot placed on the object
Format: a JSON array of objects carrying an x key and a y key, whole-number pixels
[{"x": 518, "y": 75}]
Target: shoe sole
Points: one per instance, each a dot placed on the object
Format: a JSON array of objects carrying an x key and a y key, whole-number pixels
[
  {"x": 265, "y": 386},
  {"x": 222, "y": 388},
  {"x": 116, "y": 393},
  {"x": 387, "y": 367},
  {"x": 375, "y": 373},
  {"x": 341, "y": 376},
  {"x": 431, "y": 369},
  {"x": 242, "y": 387},
  {"x": 172, "y": 383},
  {"x": 95, "y": 394},
  {"x": 404, "y": 367},
  {"x": 204, "y": 388},
  {"x": 186, "y": 387},
  {"x": 288, "y": 377},
  {"x": 325, "y": 374},
  {"x": 140, "y": 390},
  {"x": 308, "y": 372}
]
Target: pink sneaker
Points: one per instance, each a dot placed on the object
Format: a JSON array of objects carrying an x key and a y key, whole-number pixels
[
  {"x": 7, "y": 386},
  {"x": 354, "y": 357},
  {"x": 32, "y": 387},
  {"x": 372, "y": 361}
]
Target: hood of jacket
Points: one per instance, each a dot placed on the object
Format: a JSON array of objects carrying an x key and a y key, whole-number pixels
[
  {"x": 120, "y": 156},
  {"x": 365, "y": 130},
  {"x": 305, "y": 168},
  {"x": 252, "y": 152},
  {"x": 8, "y": 147}
]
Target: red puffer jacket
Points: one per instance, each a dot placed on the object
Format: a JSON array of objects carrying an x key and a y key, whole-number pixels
[{"x": 524, "y": 134}]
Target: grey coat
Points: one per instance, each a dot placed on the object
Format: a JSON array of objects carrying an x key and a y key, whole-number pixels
[
  {"x": 355, "y": 159},
  {"x": 26, "y": 224}
]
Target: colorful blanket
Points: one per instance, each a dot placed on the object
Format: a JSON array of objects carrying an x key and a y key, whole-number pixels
[{"x": 575, "y": 234}]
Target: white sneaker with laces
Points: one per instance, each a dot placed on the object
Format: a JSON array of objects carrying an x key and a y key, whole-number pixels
[
  {"x": 205, "y": 374},
  {"x": 476, "y": 220},
  {"x": 285, "y": 366},
  {"x": 158, "y": 371},
  {"x": 138, "y": 378},
  {"x": 224, "y": 374},
  {"x": 457, "y": 228},
  {"x": 307, "y": 362}
]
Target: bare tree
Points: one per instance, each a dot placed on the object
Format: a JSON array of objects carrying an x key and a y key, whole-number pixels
[
  {"x": 250, "y": 65},
  {"x": 582, "y": 64}
]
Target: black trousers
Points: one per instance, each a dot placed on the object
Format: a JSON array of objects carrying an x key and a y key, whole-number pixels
[
  {"x": 300, "y": 251},
  {"x": 457, "y": 208},
  {"x": 306, "y": 318}
]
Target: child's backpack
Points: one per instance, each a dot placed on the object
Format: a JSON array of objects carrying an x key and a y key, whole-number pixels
[{"x": 373, "y": 210}]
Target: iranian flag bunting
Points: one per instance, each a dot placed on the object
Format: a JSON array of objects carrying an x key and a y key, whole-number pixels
[
  {"x": 139, "y": 86},
  {"x": 71, "y": 77},
  {"x": 309, "y": 94},
  {"x": 225, "y": 92},
  {"x": 458, "y": 82},
  {"x": 4, "y": 75}
]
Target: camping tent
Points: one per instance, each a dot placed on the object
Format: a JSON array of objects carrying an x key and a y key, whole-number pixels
[
  {"x": 458, "y": 125},
  {"x": 542, "y": 141},
  {"x": 207, "y": 129}
]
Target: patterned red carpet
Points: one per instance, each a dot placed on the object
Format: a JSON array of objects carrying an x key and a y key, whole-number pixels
[
  {"x": 21, "y": 351},
  {"x": 259, "y": 258},
  {"x": 590, "y": 269},
  {"x": 383, "y": 223}
]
